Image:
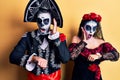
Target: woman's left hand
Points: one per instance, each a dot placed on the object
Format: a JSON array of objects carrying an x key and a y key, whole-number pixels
[{"x": 93, "y": 57}]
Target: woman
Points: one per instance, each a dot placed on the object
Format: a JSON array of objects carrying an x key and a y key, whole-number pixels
[{"x": 88, "y": 49}]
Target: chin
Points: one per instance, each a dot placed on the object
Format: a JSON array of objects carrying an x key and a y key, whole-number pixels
[{"x": 89, "y": 36}]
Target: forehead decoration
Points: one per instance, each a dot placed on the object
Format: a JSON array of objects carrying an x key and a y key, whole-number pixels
[
  {"x": 34, "y": 6},
  {"x": 91, "y": 23}
]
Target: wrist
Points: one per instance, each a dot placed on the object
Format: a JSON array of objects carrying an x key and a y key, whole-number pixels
[
  {"x": 34, "y": 58},
  {"x": 54, "y": 36},
  {"x": 99, "y": 55}
]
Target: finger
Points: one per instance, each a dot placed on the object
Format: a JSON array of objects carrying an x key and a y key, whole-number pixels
[
  {"x": 55, "y": 26},
  {"x": 55, "y": 22},
  {"x": 84, "y": 35},
  {"x": 99, "y": 55},
  {"x": 39, "y": 64},
  {"x": 44, "y": 66},
  {"x": 91, "y": 58}
]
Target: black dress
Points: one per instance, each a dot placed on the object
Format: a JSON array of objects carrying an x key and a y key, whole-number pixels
[{"x": 86, "y": 70}]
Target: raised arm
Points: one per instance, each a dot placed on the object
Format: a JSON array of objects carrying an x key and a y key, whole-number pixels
[
  {"x": 59, "y": 39},
  {"x": 76, "y": 47}
]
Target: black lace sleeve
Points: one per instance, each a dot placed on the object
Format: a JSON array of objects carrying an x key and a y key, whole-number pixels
[
  {"x": 110, "y": 53},
  {"x": 113, "y": 56},
  {"x": 75, "y": 49}
]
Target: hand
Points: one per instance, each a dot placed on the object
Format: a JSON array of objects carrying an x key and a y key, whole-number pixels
[
  {"x": 84, "y": 35},
  {"x": 55, "y": 26},
  {"x": 93, "y": 57},
  {"x": 40, "y": 61}
]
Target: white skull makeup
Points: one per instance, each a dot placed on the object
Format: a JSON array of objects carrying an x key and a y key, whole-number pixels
[
  {"x": 44, "y": 22},
  {"x": 90, "y": 28}
]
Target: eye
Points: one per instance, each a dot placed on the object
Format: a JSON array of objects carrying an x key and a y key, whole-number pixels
[
  {"x": 39, "y": 20},
  {"x": 46, "y": 21},
  {"x": 94, "y": 28},
  {"x": 88, "y": 28}
]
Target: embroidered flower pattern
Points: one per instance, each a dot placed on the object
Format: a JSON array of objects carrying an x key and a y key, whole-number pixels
[
  {"x": 92, "y": 16},
  {"x": 93, "y": 67}
]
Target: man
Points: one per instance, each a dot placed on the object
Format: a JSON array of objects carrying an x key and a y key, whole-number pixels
[{"x": 42, "y": 51}]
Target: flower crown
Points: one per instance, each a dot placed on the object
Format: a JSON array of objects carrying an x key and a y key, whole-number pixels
[{"x": 92, "y": 16}]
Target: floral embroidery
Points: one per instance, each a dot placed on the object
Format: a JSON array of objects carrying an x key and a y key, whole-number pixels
[{"x": 93, "y": 67}]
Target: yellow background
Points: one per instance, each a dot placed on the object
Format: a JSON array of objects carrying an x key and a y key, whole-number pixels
[{"x": 12, "y": 28}]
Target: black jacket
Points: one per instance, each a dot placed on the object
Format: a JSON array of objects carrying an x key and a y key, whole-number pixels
[{"x": 58, "y": 53}]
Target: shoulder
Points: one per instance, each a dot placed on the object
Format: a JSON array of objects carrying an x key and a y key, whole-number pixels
[
  {"x": 27, "y": 36},
  {"x": 105, "y": 44},
  {"x": 100, "y": 41},
  {"x": 24, "y": 35},
  {"x": 76, "y": 39}
]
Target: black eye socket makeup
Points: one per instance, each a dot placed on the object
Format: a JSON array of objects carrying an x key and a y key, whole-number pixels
[
  {"x": 88, "y": 28},
  {"x": 94, "y": 28},
  {"x": 39, "y": 20},
  {"x": 46, "y": 21}
]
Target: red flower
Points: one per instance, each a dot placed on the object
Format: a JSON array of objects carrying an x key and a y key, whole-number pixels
[
  {"x": 93, "y": 67},
  {"x": 92, "y": 16},
  {"x": 98, "y": 18},
  {"x": 86, "y": 17},
  {"x": 62, "y": 37}
]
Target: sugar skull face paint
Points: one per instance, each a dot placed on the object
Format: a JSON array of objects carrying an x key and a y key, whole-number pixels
[
  {"x": 44, "y": 22},
  {"x": 90, "y": 28}
]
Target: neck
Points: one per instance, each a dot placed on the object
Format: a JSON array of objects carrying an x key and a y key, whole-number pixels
[{"x": 91, "y": 38}]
